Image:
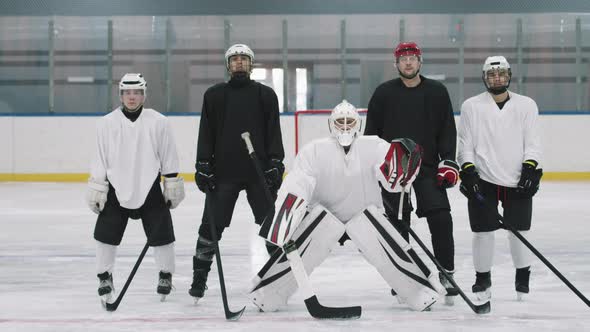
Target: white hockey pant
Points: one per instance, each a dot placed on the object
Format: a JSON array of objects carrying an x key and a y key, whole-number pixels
[
  {"x": 383, "y": 246},
  {"x": 315, "y": 237}
]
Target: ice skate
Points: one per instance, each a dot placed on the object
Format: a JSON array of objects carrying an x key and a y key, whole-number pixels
[
  {"x": 452, "y": 292},
  {"x": 106, "y": 290},
  {"x": 164, "y": 285},
  {"x": 482, "y": 286},
  {"x": 521, "y": 283},
  {"x": 199, "y": 286}
]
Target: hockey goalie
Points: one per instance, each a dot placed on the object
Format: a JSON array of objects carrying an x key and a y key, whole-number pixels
[{"x": 333, "y": 190}]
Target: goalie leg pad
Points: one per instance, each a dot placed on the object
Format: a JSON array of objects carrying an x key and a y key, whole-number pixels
[
  {"x": 394, "y": 258},
  {"x": 315, "y": 237}
]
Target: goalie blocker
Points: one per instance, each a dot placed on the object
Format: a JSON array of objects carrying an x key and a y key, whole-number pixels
[{"x": 376, "y": 239}]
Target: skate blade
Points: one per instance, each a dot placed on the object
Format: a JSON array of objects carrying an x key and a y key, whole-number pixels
[
  {"x": 196, "y": 299},
  {"x": 163, "y": 298},
  {"x": 484, "y": 296},
  {"x": 521, "y": 297}
]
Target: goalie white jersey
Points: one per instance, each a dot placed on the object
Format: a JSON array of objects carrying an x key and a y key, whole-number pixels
[{"x": 344, "y": 183}]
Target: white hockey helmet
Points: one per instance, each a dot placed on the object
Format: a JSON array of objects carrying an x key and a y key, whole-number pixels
[
  {"x": 238, "y": 49},
  {"x": 345, "y": 123},
  {"x": 500, "y": 64},
  {"x": 133, "y": 81},
  {"x": 495, "y": 62}
]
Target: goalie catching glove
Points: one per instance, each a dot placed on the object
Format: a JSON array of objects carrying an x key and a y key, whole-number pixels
[
  {"x": 401, "y": 165},
  {"x": 173, "y": 191},
  {"x": 289, "y": 213},
  {"x": 96, "y": 196},
  {"x": 448, "y": 174}
]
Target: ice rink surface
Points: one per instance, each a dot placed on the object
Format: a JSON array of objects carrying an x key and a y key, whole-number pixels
[{"x": 48, "y": 279}]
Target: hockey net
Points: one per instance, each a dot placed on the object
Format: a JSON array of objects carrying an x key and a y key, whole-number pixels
[{"x": 313, "y": 124}]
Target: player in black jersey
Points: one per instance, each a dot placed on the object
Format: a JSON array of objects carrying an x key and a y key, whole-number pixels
[
  {"x": 223, "y": 167},
  {"x": 419, "y": 108}
]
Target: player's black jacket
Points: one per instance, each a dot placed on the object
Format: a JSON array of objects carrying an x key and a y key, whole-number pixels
[
  {"x": 423, "y": 113},
  {"x": 229, "y": 109}
]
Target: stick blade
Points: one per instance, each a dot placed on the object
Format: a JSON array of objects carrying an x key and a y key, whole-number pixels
[
  {"x": 111, "y": 306},
  {"x": 316, "y": 310},
  {"x": 484, "y": 308},
  {"x": 234, "y": 316}
]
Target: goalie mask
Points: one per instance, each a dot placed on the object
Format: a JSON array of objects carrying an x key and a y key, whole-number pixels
[
  {"x": 496, "y": 74},
  {"x": 345, "y": 123},
  {"x": 239, "y": 49}
]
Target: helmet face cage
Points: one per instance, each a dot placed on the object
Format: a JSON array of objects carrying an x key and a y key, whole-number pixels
[
  {"x": 239, "y": 49},
  {"x": 132, "y": 81},
  {"x": 344, "y": 123},
  {"x": 496, "y": 66}
]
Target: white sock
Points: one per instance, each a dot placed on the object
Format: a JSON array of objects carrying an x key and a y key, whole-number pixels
[
  {"x": 165, "y": 258},
  {"x": 483, "y": 251},
  {"x": 521, "y": 255},
  {"x": 105, "y": 257}
]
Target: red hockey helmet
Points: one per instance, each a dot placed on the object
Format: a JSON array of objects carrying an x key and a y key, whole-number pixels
[{"x": 407, "y": 48}]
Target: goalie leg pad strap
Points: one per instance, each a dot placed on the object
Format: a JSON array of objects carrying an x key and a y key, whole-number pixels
[
  {"x": 393, "y": 257},
  {"x": 315, "y": 237}
]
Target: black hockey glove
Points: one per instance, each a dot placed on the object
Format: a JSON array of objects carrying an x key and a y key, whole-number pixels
[
  {"x": 205, "y": 176},
  {"x": 530, "y": 177},
  {"x": 469, "y": 180},
  {"x": 274, "y": 174}
]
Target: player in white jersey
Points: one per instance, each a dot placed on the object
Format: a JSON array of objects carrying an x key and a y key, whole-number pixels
[
  {"x": 500, "y": 150},
  {"x": 134, "y": 147},
  {"x": 332, "y": 189}
]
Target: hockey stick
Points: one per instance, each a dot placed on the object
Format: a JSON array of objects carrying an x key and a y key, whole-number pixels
[
  {"x": 113, "y": 306},
  {"x": 314, "y": 307},
  {"x": 229, "y": 315},
  {"x": 479, "y": 197},
  {"x": 477, "y": 308}
]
